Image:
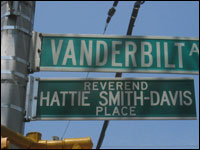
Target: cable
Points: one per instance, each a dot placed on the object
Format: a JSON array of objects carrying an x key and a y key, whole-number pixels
[
  {"x": 103, "y": 131},
  {"x": 87, "y": 74},
  {"x": 65, "y": 130},
  {"x": 134, "y": 16},
  {"x": 111, "y": 12},
  {"x": 119, "y": 74}
]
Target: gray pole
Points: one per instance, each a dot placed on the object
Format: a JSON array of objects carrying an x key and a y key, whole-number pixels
[{"x": 16, "y": 32}]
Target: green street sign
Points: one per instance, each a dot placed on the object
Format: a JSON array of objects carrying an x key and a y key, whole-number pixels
[
  {"x": 115, "y": 99},
  {"x": 97, "y": 53}
]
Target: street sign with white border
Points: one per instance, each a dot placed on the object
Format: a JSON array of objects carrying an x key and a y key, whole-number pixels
[
  {"x": 107, "y": 53},
  {"x": 115, "y": 99}
]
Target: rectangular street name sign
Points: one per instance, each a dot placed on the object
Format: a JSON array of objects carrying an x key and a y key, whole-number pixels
[
  {"x": 115, "y": 99},
  {"x": 105, "y": 53}
]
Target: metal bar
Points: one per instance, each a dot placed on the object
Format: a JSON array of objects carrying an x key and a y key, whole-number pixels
[
  {"x": 35, "y": 51},
  {"x": 29, "y": 98},
  {"x": 16, "y": 28},
  {"x": 17, "y": 108},
  {"x": 18, "y": 74},
  {"x": 34, "y": 101},
  {"x": 14, "y": 58},
  {"x": 8, "y": 13}
]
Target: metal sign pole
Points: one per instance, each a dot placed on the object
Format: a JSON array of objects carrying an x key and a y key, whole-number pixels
[{"x": 16, "y": 32}]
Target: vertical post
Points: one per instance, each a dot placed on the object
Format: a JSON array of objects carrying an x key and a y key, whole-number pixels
[{"x": 16, "y": 32}]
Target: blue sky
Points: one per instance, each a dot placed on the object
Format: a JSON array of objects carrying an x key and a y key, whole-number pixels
[{"x": 162, "y": 18}]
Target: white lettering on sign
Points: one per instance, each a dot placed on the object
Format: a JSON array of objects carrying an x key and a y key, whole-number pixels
[
  {"x": 115, "y": 98},
  {"x": 103, "y": 95},
  {"x": 120, "y": 54},
  {"x": 147, "y": 53},
  {"x": 103, "y": 86},
  {"x": 152, "y": 97},
  {"x": 42, "y": 98},
  {"x": 158, "y": 54},
  {"x": 144, "y": 85},
  {"x": 128, "y": 97},
  {"x": 164, "y": 99},
  {"x": 85, "y": 98},
  {"x": 87, "y": 86},
  {"x": 127, "y": 86},
  {"x": 170, "y": 98},
  {"x": 55, "y": 99},
  {"x": 187, "y": 95},
  {"x": 173, "y": 97},
  {"x": 138, "y": 97},
  {"x": 98, "y": 110},
  {"x": 85, "y": 52},
  {"x": 72, "y": 97},
  {"x": 124, "y": 111},
  {"x": 105, "y": 53},
  {"x": 70, "y": 49},
  {"x": 115, "y": 52},
  {"x": 118, "y": 86},
  {"x": 63, "y": 97},
  {"x": 194, "y": 49},
  {"x": 118, "y": 97},
  {"x": 130, "y": 53},
  {"x": 167, "y": 65},
  {"x": 56, "y": 53},
  {"x": 112, "y": 86},
  {"x": 180, "y": 45}
]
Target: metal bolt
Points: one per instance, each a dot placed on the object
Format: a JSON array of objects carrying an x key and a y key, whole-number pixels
[
  {"x": 39, "y": 50},
  {"x": 40, "y": 35},
  {"x": 37, "y": 79},
  {"x": 38, "y": 68}
]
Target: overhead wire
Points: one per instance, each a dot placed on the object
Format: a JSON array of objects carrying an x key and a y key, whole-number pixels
[
  {"x": 65, "y": 131},
  {"x": 111, "y": 12}
]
